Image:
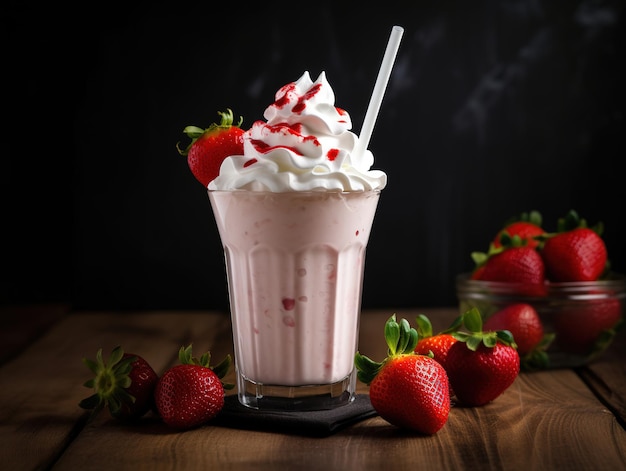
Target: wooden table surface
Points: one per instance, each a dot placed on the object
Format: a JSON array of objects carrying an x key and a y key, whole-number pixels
[{"x": 550, "y": 420}]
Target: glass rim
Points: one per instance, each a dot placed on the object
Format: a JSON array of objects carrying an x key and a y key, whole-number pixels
[
  {"x": 612, "y": 279},
  {"x": 302, "y": 192},
  {"x": 614, "y": 285}
]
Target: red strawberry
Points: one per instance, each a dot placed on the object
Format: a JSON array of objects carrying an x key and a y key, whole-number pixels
[
  {"x": 576, "y": 255},
  {"x": 477, "y": 274},
  {"x": 524, "y": 323},
  {"x": 575, "y": 252},
  {"x": 587, "y": 327},
  {"x": 512, "y": 263},
  {"x": 435, "y": 345},
  {"x": 209, "y": 147},
  {"x": 191, "y": 393},
  {"x": 482, "y": 365},
  {"x": 124, "y": 384},
  {"x": 439, "y": 343},
  {"x": 408, "y": 390},
  {"x": 527, "y": 227}
]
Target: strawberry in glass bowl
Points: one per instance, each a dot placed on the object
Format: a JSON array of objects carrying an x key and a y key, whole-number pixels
[{"x": 556, "y": 283}]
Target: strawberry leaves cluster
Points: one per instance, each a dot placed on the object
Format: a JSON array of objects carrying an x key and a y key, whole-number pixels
[
  {"x": 401, "y": 339},
  {"x": 186, "y": 396},
  {"x": 482, "y": 364},
  {"x": 123, "y": 383}
]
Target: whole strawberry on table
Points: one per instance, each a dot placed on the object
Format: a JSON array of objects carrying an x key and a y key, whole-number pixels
[
  {"x": 191, "y": 394},
  {"x": 407, "y": 389},
  {"x": 483, "y": 361},
  {"x": 124, "y": 384},
  {"x": 482, "y": 364},
  {"x": 436, "y": 345}
]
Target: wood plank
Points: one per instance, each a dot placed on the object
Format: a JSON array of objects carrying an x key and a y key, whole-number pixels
[
  {"x": 542, "y": 412},
  {"x": 524, "y": 429},
  {"x": 606, "y": 376},
  {"x": 546, "y": 420},
  {"x": 42, "y": 387}
]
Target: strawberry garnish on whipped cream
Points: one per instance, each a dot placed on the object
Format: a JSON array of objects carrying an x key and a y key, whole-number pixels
[{"x": 305, "y": 144}]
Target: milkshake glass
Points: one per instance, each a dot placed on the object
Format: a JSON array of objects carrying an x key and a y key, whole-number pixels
[
  {"x": 294, "y": 213},
  {"x": 295, "y": 263}
]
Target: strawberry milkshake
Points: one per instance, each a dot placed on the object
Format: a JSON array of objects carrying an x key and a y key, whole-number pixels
[{"x": 294, "y": 214}]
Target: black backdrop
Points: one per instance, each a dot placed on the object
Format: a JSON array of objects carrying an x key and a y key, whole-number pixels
[{"x": 493, "y": 108}]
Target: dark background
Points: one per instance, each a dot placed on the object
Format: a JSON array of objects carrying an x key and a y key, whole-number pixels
[{"x": 493, "y": 108}]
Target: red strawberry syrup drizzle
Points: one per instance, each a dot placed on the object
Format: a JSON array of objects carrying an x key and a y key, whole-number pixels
[
  {"x": 263, "y": 148},
  {"x": 332, "y": 154},
  {"x": 341, "y": 112},
  {"x": 285, "y": 92},
  {"x": 284, "y": 95},
  {"x": 301, "y": 105}
]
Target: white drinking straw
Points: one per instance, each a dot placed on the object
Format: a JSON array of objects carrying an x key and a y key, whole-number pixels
[{"x": 379, "y": 89}]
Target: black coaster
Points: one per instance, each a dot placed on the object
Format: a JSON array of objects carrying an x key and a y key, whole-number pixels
[{"x": 313, "y": 423}]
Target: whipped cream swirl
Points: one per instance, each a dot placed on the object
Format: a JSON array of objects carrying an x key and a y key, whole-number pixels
[{"x": 306, "y": 144}]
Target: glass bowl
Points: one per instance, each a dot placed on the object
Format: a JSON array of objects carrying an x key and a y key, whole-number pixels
[{"x": 579, "y": 319}]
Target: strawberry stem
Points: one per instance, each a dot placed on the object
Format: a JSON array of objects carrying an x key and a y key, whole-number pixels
[
  {"x": 401, "y": 339},
  {"x": 186, "y": 357},
  {"x": 425, "y": 327},
  {"x": 109, "y": 383},
  {"x": 473, "y": 322},
  {"x": 533, "y": 217},
  {"x": 194, "y": 132}
]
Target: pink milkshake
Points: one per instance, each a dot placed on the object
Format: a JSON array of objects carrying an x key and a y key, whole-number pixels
[
  {"x": 295, "y": 264},
  {"x": 294, "y": 215}
]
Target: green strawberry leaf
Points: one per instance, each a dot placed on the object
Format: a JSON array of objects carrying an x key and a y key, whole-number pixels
[
  {"x": 489, "y": 341},
  {"x": 454, "y": 326},
  {"x": 473, "y": 320},
  {"x": 221, "y": 369},
  {"x": 392, "y": 333},
  {"x": 479, "y": 258},
  {"x": 506, "y": 337},
  {"x": 91, "y": 402},
  {"x": 186, "y": 357},
  {"x": 367, "y": 369},
  {"x": 401, "y": 339},
  {"x": 473, "y": 342},
  {"x": 535, "y": 360},
  {"x": 406, "y": 337},
  {"x": 110, "y": 382},
  {"x": 461, "y": 336},
  {"x": 534, "y": 217},
  {"x": 424, "y": 326}
]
